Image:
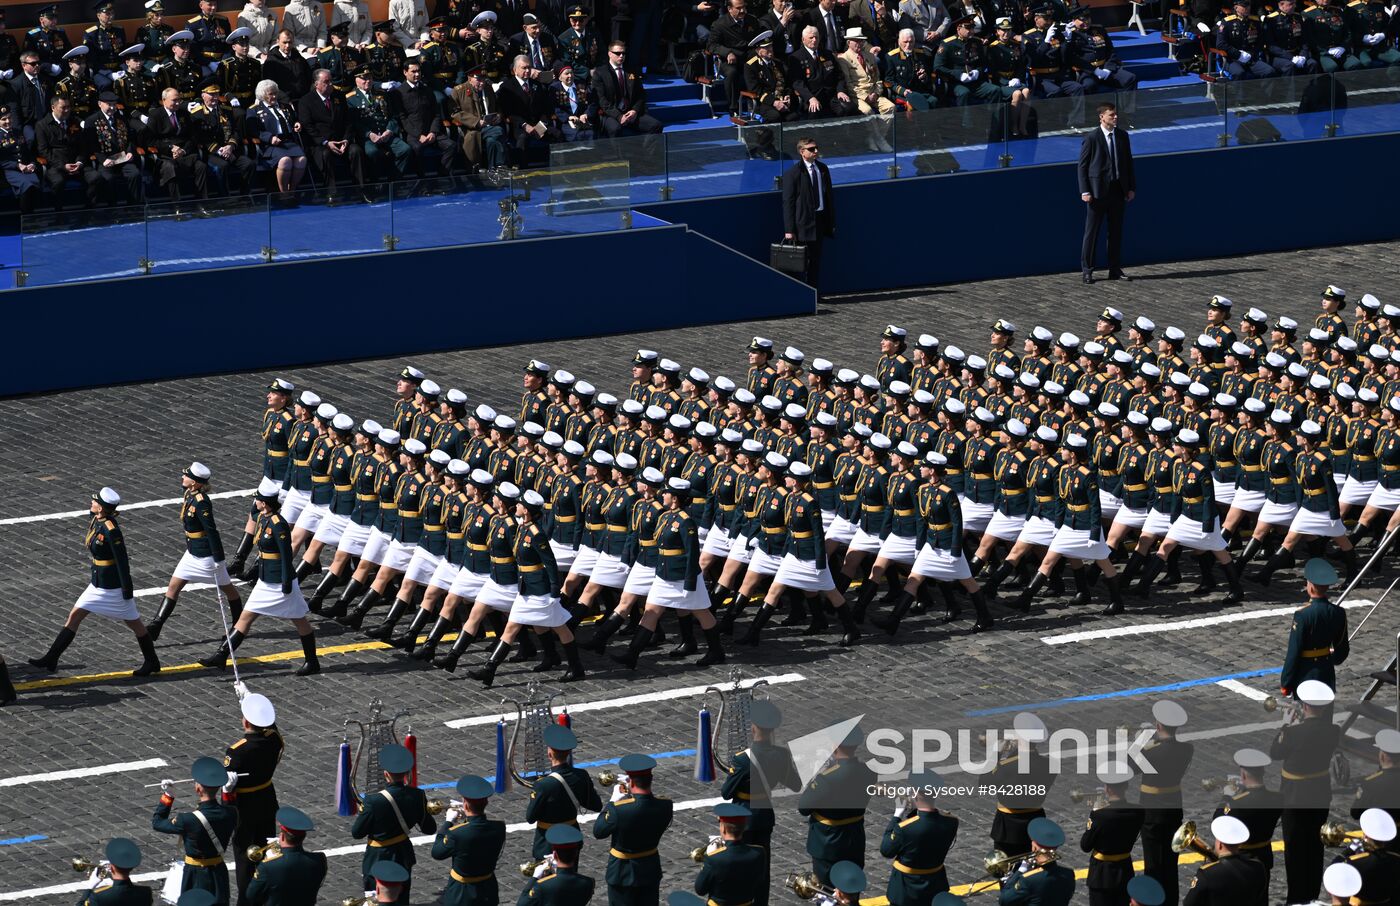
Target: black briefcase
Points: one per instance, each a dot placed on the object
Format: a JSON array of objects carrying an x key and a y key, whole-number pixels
[{"x": 789, "y": 258}]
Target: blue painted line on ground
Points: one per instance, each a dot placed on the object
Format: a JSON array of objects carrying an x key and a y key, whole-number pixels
[
  {"x": 15, "y": 841},
  {"x": 1121, "y": 693},
  {"x": 659, "y": 756}
]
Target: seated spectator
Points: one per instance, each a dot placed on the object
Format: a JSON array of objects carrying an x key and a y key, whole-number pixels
[
  {"x": 17, "y": 161},
  {"x": 109, "y": 146},
  {"x": 420, "y": 116},
  {"x": 286, "y": 66},
  {"x": 60, "y": 147},
  {"x": 819, "y": 80},
  {"x": 622, "y": 100},
  {"x": 177, "y": 147},
  {"x": 729, "y": 41},
  {"x": 376, "y": 129},
  {"x": 221, "y": 133},
  {"x": 280, "y": 135},
  {"x": 575, "y": 111},
  {"x": 928, "y": 18},
  {"x": 909, "y": 72},
  {"x": 325, "y": 122},
  {"x": 536, "y": 45},
  {"x": 962, "y": 63},
  {"x": 785, "y": 22},
  {"x": 527, "y": 106},
  {"x": 478, "y": 115}
]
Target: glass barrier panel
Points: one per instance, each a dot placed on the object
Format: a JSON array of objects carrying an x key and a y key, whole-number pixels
[
  {"x": 1046, "y": 130},
  {"x": 323, "y": 223},
  {"x": 1277, "y": 109},
  {"x": 75, "y": 245},
  {"x": 196, "y": 234},
  {"x": 724, "y": 160},
  {"x": 644, "y": 156},
  {"x": 857, "y": 148},
  {"x": 431, "y": 213},
  {"x": 562, "y": 201},
  {"x": 950, "y": 139},
  {"x": 1367, "y": 101},
  {"x": 1188, "y": 117}
]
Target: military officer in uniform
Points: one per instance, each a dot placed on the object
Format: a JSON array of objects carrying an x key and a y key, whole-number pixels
[
  {"x": 774, "y": 100},
  {"x": 293, "y": 878},
  {"x": 1285, "y": 39},
  {"x": 909, "y": 72},
  {"x": 110, "y": 141},
  {"x": 182, "y": 73},
  {"x": 1306, "y": 751},
  {"x": 834, "y": 804},
  {"x": 240, "y": 73},
  {"x": 1046, "y": 58},
  {"x": 560, "y": 795},
  {"x": 1144, "y": 891},
  {"x": 389, "y": 879},
  {"x": 1046, "y": 882},
  {"x": 917, "y": 839},
  {"x": 732, "y": 871},
  {"x": 580, "y": 48},
  {"x": 1255, "y": 804},
  {"x": 962, "y": 62},
  {"x": 1232, "y": 877},
  {"x": 384, "y": 58},
  {"x": 123, "y": 856},
  {"x": 222, "y": 136},
  {"x": 1381, "y": 789},
  {"x": 1109, "y": 838},
  {"x": 1373, "y": 35},
  {"x": 634, "y": 822},
  {"x": 1010, "y": 831},
  {"x": 849, "y": 881},
  {"x": 473, "y": 842},
  {"x": 770, "y": 763},
  {"x": 341, "y": 59},
  {"x": 210, "y": 31},
  {"x": 1160, "y": 794},
  {"x": 104, "y": 42},
  {"x": 560, "y": 883},
  {"x": 376, "y": 129},
  {"x": 1317, "y": 641},
  {"x": 9, "y": 47},
  {"x": 388, "y": 817},
  {"x": 254, "y": 759},
  {"x": 48, "y": 40},
  {"x": 1241, "y": 36},
  {"x": 206, "y": 832},
  {"x": 1329, "y": 37},
  {"x": 136, "y": 91},
  {"x": 203, "y": 560},
  {"x": 77, "y": 86}
]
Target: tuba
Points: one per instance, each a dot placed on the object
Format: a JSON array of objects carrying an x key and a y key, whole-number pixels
[
  {"x": 734, "y": 704},
  {"x": 1187, "y": 840},
  {"x": 257, "y": 854},
  {"x": 531, "y": 717},
  {"x": 806, "y": 885}
]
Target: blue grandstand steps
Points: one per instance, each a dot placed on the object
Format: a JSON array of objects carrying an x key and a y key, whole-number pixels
[
  {"x": 1129, "y": 45},
  {"x": 670, "y": 89},
  {"x": 680, "y": 111},
  {"x": 1153, "y": 70}
]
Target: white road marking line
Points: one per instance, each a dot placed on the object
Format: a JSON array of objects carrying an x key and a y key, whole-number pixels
[
  {"x": 626, "y": 701},
  {"x": 139, "y": 505},
  {"x": 74, "y": 773},
  {"x": 353, "y": 849},
  {"x": 1240, "y": 688},
  {"x": 1116, "y": 632}
]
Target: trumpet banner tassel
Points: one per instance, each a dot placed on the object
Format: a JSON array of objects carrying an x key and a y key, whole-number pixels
[
  {"x": 346, "y": 804},
  {"x": 502, "y": 774}
]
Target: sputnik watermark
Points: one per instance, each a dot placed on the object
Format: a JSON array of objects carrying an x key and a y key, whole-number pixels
[{"x": 894, "y": 752}]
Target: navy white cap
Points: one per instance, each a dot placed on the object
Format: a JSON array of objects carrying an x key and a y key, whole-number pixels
[
  {"x": 309, "y": 399},
  {"x": 198, "y": 471},
  {"x": 342, "y": 422},
  {"x": 388, "y": 437},
  {"x": 414, "y": 447},
  {"x": 326, "y": 411}
]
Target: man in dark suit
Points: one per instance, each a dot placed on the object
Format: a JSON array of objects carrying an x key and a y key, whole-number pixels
[
  {"x": 809, "y": 209},
  {"x": 538, "y": 45},
  {"x": 285, "y": 65},
  {"x": 526, "y": 106},
  {"x": 325, "y": 131},
  {"x": 1106, "y": 185},
  {"x": 729, "y": 40},
  {"x": 830, "y": 23},
  {"x": 177, "y": 146},
  {"x": 33, "y": 86},
  {"x": 622, "y": 101},
  {"x": 63, "y": 151},
  {"x": 818, "y": 80},
  {"x": 421, "y": 118}
]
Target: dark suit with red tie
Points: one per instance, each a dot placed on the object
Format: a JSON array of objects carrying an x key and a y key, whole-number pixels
[
  {"x": 328, "y": 120},
  {"x": 1106, "y": 176},
  {"x": 616, "y": 97},
  {"x": 809, "y": 212},
  {"x": 174, "y": 129}
]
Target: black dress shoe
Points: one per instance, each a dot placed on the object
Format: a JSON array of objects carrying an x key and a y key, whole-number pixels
[
  {"x": 1088, "y": 278},
  {"x": 1119, "y": 275}
]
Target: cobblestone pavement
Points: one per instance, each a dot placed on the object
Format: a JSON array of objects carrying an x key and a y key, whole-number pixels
[{"x": 56, "y": 449}]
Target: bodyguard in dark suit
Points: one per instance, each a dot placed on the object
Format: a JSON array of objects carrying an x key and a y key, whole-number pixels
[
  {"x": 325, "y": 131},
  {"x": 622, "y": 101},
  {"x": 421, "y": 118},
  {"x": 58, "y": 143},
  {"x": 33, "y": 89},
  {"x": 809, "y": 208},
  {"x": 1106, "y": 185}
]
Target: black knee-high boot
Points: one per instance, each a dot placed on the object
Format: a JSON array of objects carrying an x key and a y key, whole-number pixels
[
  {"x": 950, "y": 600},
  {"x": 841, "y": 580},
  {"x": 306, "y": 568},
  {"x": 1282, "y": 559},
  {"x": 1081, "y": 587},
  {"x": 714, "y": 646},
  {"x": 354, "y": 618},
  {"x": 49, "y": 661},
  {"x": 1153, "y": 565},
  {"x": 890, "y": 622},
  {"x": 454, "y": 654},
  {"x": 408, "y": 639},
  {"x": 640, "y": 639},
  {"x": 486, "y": 673},
  {"x": 999, "y": 575},
  {"x": 797, "y": 608},
  {"x": 1027, "y": 595},
  {"x": 984, "y": 616},
  {"x": 167, "y": 607},
  {"x": 1115, "y": 596},
  {"x": 850, "y": 631},
  {"x": 348, "y": 594},
  {"x": 1056, "y": 584},
  {"x": 976, "y": 564},
  {"x": 731, "y": 613},
  {"x": 1232, "y": 575},
  {"x": 245, "y": 547},
  {"x": 308, "y": 650},
  {"x": 1131, "y": 568},
  {"x": 1173, "y": 576},
  {"x": 605, "y": 630},
  {"x": 149, "y": 662},
  {"x": 7, "y": 688},
  {"x": 863, "y": 599},
  {"x": 1349, "y": 563},
  {"x": 686, "y": 628},
  {"x": 760, "y": 619},
  {"x": 549, "y": 654},
  {"x": 1207, "y": 564},
  {"x": 1250, "y": 550},
  {"x": 429, "y": 648},
  {"x": 323, "y": 590},
  {"x": 575, "y": 671},
  {"x": 386, "y": 628},
  {"x": 219, "y": 659},
  {"x": 527, "y": 650},
  {"x": 817, "y": 607}
]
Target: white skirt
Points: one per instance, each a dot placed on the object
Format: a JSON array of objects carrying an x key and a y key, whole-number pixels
[
  {"x": 672, "y": 594},
  {"x": 898, "y": 548},
  {"x": 421, "y": 566},
  {"x": 563, "y": 555},
  {"x": 1129, "y": 517},
  {"x": 764, "y": 563},
  {"x": 975, "y": 516},
  {"x": 1157, "y": 523},
  {"x": 803, "y": 574},
  {"x": 1247, "y": 501},
  {"x": 1357, "y": 492},
  {"x": 332, "y": 529},
  {"x": 312, "y": 516},
  {"x": 108, "y": 602},
  {"x": 639, "y": 579},
  {"x": 741, "y": 550},
  {"x": 864, "y": 541},
  {"x": 1109, "y": 504},
  {"x": 353, "y": 538},
  {"x": 716, "y": 544},
  {"x": 1007, "y": 528},
  {"x": 268, "y": 600},
  {"x": 1038, "y": 531},
  {"x": 293, "y": 504},
  {"x": 828, "y": 517},
  {"x": 1278, "y": 513},
  {"x": 376, "y": 548},
  {"x": 1224, "y": 492},
  {"x": 1076, "y": 543},
  {"x": 495, "y": 595},
  {"x": 1190, "y": 533},
  {"x": 1322, "y": 525},
  {"x": 584, "y": 560},
  {"x": 444, "y": 575},
  {"x": 467, "y": 585},
  {"x": 399, "y": 555},
  {"x": 609, "y": 571},
  {"x": 702, "y": 532},
  {"x": 202, "y": 569},
  {"x": 1383, "y": 498},
  {"x": 841, "y": 531},
  {"x": 940, "y": 564},
  {"x": 538, "y": 610}
]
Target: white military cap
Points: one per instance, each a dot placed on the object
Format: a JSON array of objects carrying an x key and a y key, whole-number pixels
[
  {"x": 504, "y": 422},
  {"x": 625, "y": 461},
  {"x": 1316, "y": 693},
  {"x": 309, "y": 399},
  {"x": 560, "y": 376},
  {"x": 751, "y": 445},
  {"x": 1114, "y": 774},
  {"x": 482, "y": 478},
  {"x": 370, "y": 427},
  {"x": 1388, "y": 741},
  {"x": 258, "y": 710},
  {"x": 326, "y": 411},
  {"x": 698, "y": 376},
  {"x": 794, "y": 412},
  {"x": 1168, "y": 713},
  {"x": 1016, "y": 428},
  {"x": 1029, "y": 727},
  {"x": 1145, "y": 325},
  {"x": 414, "y": 447},
  {"x": 1229, "y": 830},
  {"x": 440, "y": 458},
  {"x": 1342, "y": 880},
  {"x": 342, "y": 422},
  {"x": 1253, "y": 759},
  {"x": 723, "y": 384},
  {"x": 1377, "y": 824},
  {"x": 429, "y": 387},
  {"x": 508, "y": 490},
  {"x": 456, "y": 397},
  {"x": 458, "y": 467},
  {"x": 583, "y": 388},
  {"x": 109, "y": 496},
  {"x": 907, "y": 450},
  {"x": 602, "y": 458},
  {"x": 198, "y": 471},
  {"x": 389, "y": 437},
  {"x": 678, "y": 484},
  {"x": 532, "y": 429},
  {"x": 485, "y": 413},
  {"x": 572, "y": 448}
]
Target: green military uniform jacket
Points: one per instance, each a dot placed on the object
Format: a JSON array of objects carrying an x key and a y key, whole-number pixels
[
  {"x": 634, "y": 826},
  {"x": 204, "y": 857},
  {"x": 1045, "y": 885},
  {"x": 1317, "y": 643},
  {"x": 834, "y": 804},
  {"x": 918, "y": 845},
  {"x": 474, "y": 846},
  {"x": 201, "y": 534},
  {"x": 775, "y": 769},
  {"x": 534, "y": 563},
  {"x": 732, "y": 874},
  {"x": 107, "y": 550},
  {"x": 1232, "y": 880},
  {"x": 388, "y": 839},
  {"x": 274, "y": 548},
  {"x": 1260, "y": 809},
  {"x": 292, "y": 879},
  {"x": 562, "y": 887},
  {"x": 117, "y": 893},
  {"x": 551, "y": 804}
]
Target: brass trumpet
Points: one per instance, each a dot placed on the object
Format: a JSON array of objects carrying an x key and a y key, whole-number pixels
[
  {"x": 438, "y": 806},
  {"x": 359, "y": 901},
  {"x": 1291, "y": 711},
  {"x": 527, "y": 869},
  {"x": 259, "y": 853},
  {"x": 83, "y": 866},
  {"x": 806, "y": 885},
  {"x": 607, "y": 779},
  {"x": 698, "y": 854},
  {"x": 997, "y": 865},
  {"x": 1335, "y": 834},
  {"x": 1187, "y": 840}
]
